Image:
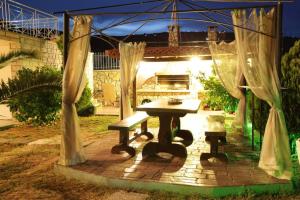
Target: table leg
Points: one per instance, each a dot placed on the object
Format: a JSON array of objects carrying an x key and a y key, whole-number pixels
[
  {"x": 186, "y": 135},
  {"x": 165, "y": 132},
  {"x": 164, "y": 140}
]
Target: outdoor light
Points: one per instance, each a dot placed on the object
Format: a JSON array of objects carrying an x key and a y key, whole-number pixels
[
  {"x": 195, "y": 59},
  {"x": 197, "y": 64}
]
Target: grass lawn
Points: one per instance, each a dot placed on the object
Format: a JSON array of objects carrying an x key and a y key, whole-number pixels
[{"x": 26, "y": 171}]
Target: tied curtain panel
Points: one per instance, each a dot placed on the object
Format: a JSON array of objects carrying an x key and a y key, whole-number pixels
[
  {"x": 130, "y": 56},
  {"x": 74, "y": 81},
  {"x": 230, "y": 74},
  {"x": 258, "y": 59}
]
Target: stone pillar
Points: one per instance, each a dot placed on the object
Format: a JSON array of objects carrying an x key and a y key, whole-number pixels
[{"x": 174, "y": 35}]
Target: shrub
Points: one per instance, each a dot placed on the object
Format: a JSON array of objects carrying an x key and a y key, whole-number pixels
[
  {"x": 35, "y": 96},
  {"x": 85, "y": 106},
  {"x": 290, "y": 69},
  {"x": 216, "y": 96},
  {"x": 37, "y": 106}
]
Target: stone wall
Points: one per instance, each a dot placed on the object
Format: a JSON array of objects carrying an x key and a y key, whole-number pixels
[
  {"x": 106, "y": 76},
  {"x": 153, "y": 95},
  {"x": 113, "y": 77},
  {"x": 48, "y": 52}
]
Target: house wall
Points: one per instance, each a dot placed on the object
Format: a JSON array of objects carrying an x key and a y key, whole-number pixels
[
  {"x": 89, "y": 71},
  {"x": 48, "y": 52}
]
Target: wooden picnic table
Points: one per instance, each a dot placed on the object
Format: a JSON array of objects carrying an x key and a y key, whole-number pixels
[{"x": 169, "y": 126}]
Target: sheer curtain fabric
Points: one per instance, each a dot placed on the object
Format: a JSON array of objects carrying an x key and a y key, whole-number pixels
[
  {"x": 74, "y": 81},
  {"x": 226, "y": 65},
  {"x": 257, "y": 54},
  {"x": 130, "y": 56}
]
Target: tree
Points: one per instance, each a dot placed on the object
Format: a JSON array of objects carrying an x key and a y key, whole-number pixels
[
  {"x": 290, "y": 69},
  {"x": 15, "y": 55}
]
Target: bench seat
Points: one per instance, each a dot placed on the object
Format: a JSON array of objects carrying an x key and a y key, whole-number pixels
[
  {"x": 215, "y": 136},
  {"x": 124, "y": 126},
  {"x": 128, "y": 123}
]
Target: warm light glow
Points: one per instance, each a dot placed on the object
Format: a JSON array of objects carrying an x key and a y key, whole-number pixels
[
  {"x": 199, "y": 65},
  {"x": 193, "y": 67},
  {"x": 195, "y": 59}
]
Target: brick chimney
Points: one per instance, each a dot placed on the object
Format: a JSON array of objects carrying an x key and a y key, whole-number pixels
[
  {"x": 212, "y": 33},
  {"x": 174, "y": 31}
]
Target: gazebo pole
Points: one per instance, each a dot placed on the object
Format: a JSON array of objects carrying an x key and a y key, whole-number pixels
[
  {"x": 279, "y": 36},
  {"x": 121, "y": 106},
  {"x": 134, "y": 94},
  {"x": 66, "y": 37}
]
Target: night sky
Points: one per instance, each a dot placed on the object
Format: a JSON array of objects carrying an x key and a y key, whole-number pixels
[{"x": 291, "y": 15}]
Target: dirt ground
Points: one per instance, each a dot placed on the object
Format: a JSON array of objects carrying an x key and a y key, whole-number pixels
[{"x": 26, "y": 171}]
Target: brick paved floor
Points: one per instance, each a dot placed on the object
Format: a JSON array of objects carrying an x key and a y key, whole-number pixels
[{"x": 240, "y": 170}]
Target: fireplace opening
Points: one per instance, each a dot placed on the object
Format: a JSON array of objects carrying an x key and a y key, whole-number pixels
[{"x": 172, "y": 81}]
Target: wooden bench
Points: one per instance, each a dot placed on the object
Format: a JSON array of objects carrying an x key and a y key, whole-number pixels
[
  {"x": 215, "y": 136},
  {"x": 124, "y": 126}
]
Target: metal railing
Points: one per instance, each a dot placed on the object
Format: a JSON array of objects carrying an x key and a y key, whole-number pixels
[
  {"x": 103, "y": 62},
  {"x": 20, "y": 18}
]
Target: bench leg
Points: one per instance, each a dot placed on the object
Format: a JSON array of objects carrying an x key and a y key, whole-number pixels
[
  {"x": 144, "y": 130},
  {"x": 123, "y": 144},
  {"x": 214, "y": 144},
  {"x": 223, "y": 140}
]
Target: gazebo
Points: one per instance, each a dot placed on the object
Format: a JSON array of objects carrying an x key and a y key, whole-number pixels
[{"x": 253, "y": 58}]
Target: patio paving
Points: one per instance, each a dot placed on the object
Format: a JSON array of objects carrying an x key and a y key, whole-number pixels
[{"x": 169, "y": 173}]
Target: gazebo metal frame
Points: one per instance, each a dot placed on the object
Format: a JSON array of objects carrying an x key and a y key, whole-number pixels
[{"x": 276, "y": 4}]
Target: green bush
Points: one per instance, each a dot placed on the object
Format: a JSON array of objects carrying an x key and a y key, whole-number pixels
[
  {"x": 36, "y": 106},
  {"x": 292, "y": 138},
  {"x": 290, "y": 69},
  {"x": 85, "y": 106},
  {"x": 217, "y": 98},
  {"x": 40, "y": 105}
]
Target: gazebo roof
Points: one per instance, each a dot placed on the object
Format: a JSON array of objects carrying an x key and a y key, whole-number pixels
[{"x": 168, "y": 52}]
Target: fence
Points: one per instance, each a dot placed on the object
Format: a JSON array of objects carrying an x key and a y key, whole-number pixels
[
  {"x": 103, "y": 62},
  {"x": 20, "y": 18}
]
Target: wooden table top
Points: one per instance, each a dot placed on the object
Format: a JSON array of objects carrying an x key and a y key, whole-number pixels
[{"x": 162, "y": 105}]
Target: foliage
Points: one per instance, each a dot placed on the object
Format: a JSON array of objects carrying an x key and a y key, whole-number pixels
[
  {"x": 35, "y": 105},
  {"x": 85, "y": 106},
  {"x": 292, "y": 138},
  {"x": 4, "y": 59},
  {"x": 60, "y": 43},
  {"x": 290, "y": 69},
  {"x": 31, "y": 80},
  {"x": 217, "y": 97}
]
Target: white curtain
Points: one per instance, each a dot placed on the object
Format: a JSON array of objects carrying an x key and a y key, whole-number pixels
[
  {"x": 257, "y": 54},
  {"x": 230, "y": 74},
  {"x": 130, "y": 56},
  {"x": 74, "y": 81}
]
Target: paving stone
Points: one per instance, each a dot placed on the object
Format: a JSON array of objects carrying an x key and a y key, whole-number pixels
[
  {"x": 196, "y": 175},
  {"x": 176, "y": 170}
]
